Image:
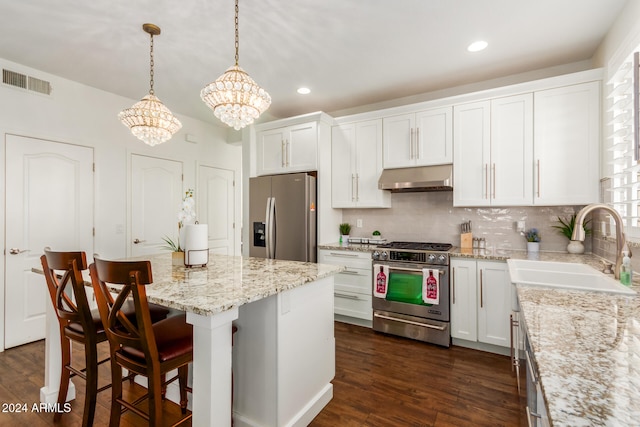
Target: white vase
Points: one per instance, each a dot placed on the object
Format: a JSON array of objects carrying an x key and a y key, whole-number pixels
[
  {"x": 533, "y": 246},
  {"x": 575, "y": 247},
  {"x": 344, "y": 238}
]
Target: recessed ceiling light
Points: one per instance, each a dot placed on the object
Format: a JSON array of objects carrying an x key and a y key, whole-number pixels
[
  {"x": 477, "y": 46},
  {"x": 304, "y": 91}
]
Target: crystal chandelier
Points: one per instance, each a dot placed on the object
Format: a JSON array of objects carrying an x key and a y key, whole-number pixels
[
  {"x": 149, "y": 119},
  {"x": 234, "y": 97}
]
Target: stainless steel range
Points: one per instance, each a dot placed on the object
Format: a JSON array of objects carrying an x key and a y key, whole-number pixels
[{"x": 402, "y": 311}]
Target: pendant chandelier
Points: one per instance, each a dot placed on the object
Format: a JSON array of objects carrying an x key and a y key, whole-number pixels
[
  {"x": 149, "y": 119},
  {"x": 234, "y": 97}
]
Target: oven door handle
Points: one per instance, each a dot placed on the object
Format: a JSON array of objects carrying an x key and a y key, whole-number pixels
[
  {"x": 410, "y": 322},
  {"x": 413, "y": 269}
]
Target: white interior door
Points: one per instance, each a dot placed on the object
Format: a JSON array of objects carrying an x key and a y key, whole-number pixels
[
  {"x": 215, "y": 198},
  {"x": 49, "y": 202},
  {"x": 156, "y": 193}
]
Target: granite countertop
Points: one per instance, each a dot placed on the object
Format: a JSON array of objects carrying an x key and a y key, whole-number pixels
[{"x": 227, "y": 281}]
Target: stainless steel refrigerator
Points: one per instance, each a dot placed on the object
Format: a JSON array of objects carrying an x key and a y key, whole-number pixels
[{"x": 282, "y": 216}]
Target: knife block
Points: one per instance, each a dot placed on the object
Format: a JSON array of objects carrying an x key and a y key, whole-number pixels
[{"x": 466, "y": 240}]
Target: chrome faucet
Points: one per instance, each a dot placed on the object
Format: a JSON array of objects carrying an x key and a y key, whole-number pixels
[{"x": 621, "y": 240}]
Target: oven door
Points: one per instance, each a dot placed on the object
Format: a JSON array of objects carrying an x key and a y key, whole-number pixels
[{"x": 404, "y": 292}]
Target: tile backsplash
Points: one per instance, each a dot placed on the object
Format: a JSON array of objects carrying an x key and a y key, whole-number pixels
[{"x": 431, "y": 217}]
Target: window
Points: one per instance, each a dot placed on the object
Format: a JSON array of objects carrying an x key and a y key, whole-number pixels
[{"x": 622, "y": 143}]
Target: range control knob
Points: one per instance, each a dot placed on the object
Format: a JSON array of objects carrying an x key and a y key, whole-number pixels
[
  {"x": 442, "y": 258},
  {"x": 432, "y": 257},
  {"x": 384, "y": 255},
  {"x": 375, "y": 255}
]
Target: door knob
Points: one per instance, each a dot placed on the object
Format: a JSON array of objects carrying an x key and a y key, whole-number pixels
[
  {"x": 136, "y": 241},
  {"x": 16, "y": 251}
]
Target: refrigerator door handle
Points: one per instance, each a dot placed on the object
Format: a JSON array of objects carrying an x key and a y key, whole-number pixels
[
  {"x": 272, "y": 228},
  {"x": 267, "y": 234}
]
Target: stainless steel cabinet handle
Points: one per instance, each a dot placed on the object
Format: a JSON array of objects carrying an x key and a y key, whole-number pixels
[
  {"x": 353, "y": 188},
  {"x": 481, "y": 305},
  {"x": 354, "y": 273},
  {"x": 486, "y": 180},
  {"x": 343, "y": 255},
  {"x": 538, "y": 178},
  {"x": 417, "y": 143},
  {"x": 136, "y": 241},
  {"x": 287, "y": 153},
  {"x": 494, "y": 181},
  {"x": 16, "y": 251},
  {"x": 411, "y": 144},
  {"x": 283, "y": 151},
  {"x": 357, "y": 187},
  {"x": 409, "y": 322},
  {"x": 339, "y": 295},
  {"x": 453, "y": 284}
]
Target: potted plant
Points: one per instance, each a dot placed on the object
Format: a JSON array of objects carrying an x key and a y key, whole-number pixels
[
  {"x": 377, "y": 235},
  {"x": 186, "y": 213},
  {"x": 345, "y": 229},
  {"x": 566, "y": 227},
  {"x": 533, "y": 240}
]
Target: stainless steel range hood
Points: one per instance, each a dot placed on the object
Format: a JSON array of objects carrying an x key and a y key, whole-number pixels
[{"x": 423, "y": 178}]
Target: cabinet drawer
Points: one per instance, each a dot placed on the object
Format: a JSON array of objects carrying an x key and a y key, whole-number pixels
[
  {"x": 354, "y": 280},
  {"x": 353, "y": 305},
  {"x": 349, "y": 259}
]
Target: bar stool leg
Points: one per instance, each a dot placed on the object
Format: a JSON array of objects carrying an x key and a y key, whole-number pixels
[{"x": 65, "y": 345}]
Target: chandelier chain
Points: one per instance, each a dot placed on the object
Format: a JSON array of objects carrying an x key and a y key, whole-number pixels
[
  {"x": 151, "y": 68},
  {"x": 237, "y": 36}
]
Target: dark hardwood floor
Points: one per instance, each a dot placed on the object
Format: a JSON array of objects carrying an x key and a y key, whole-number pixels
[{"x": 380, "y": 380}]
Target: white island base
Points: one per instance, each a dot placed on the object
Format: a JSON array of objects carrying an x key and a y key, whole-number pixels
[{"x": 284, "y": 357}]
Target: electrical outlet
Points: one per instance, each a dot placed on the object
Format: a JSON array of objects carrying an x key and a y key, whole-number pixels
[{"x": 358, "y": 223}]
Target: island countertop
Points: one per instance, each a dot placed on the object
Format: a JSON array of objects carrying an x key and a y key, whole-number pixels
[{"x": 227, "y": 281}]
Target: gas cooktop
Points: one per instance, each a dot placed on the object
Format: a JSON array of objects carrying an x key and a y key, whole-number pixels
[{"x": 417, "y": 246}]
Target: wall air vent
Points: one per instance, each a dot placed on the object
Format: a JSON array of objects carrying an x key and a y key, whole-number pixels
[
  {"x": 23, "y": 81},
  {"x": 14, "y": 79},
  {"x": 40, "y": 86}
]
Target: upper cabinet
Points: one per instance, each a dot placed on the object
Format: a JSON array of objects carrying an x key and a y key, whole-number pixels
[
  {"x": 418, "y": 139},
  {"x": 566, "y": 156},
  {"x": 538, "y": 148},
  {"x": 356, "y": 164},
  {"x": 493, "y": 148},
  {"x": 287, "y": 149}
]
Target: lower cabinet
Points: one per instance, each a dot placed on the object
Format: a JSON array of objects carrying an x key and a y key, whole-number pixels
[
  {"x": 481, "y": 302},
  {"x": 352, "y": 288}
]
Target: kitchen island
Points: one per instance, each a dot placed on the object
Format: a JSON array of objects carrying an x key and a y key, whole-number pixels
[{"x": 284, "y": 351}]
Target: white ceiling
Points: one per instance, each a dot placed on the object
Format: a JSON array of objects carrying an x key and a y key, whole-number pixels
[{"x": 349, "y": 52}]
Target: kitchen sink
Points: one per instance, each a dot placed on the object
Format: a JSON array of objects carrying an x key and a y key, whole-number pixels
[{"x": 564, "y": 275}]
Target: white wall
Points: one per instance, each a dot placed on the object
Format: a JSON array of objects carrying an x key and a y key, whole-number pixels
[{"x": 82, "y": 115}]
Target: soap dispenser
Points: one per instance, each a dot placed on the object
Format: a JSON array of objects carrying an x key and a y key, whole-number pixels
[{"x": 626, "y": 274}]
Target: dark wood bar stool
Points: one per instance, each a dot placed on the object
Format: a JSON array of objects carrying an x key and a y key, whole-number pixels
[
  {"x": 79, "y": 323},
  {"x": 143, "y": 348}
]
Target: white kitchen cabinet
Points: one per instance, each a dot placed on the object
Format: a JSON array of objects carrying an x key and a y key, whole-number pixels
[
  {"x": 418, "y": 139},
  {"x": 353, "y": 287},
  {"x": 356, "y": 159},
  {"x": 287, "y": 149},
  {"x": 463, "y": 299},
  {"x": 567, "y": 131},
  {"x": 494, "y": 305},
  {"x": 480, "y": 302},
  {"x": 493, "y": 152}
]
